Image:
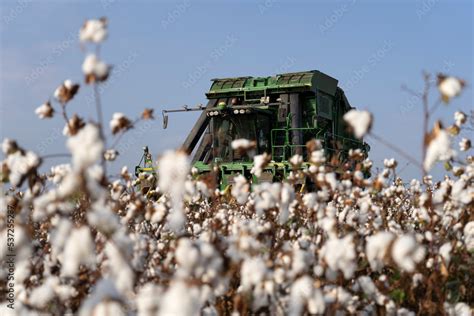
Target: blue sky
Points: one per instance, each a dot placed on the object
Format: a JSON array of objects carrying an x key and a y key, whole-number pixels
[{"x": 165, "y": 53}]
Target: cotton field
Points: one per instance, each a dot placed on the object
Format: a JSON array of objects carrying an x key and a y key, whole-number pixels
[{"x": 77, "y": 242}]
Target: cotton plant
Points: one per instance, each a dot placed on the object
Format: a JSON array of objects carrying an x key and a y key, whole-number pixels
[
  {"x": 87, "y": 243},
  {"x": 359, "y": 121}
]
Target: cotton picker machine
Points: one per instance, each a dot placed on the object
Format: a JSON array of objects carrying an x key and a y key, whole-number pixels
[{"x": 280, "y": 114}]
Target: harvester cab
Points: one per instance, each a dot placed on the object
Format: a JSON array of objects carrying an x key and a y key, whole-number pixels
[{"x": 279, "y": 113}]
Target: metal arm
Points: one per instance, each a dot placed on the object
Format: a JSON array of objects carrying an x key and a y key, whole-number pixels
[{"x": 185, "y": 108}]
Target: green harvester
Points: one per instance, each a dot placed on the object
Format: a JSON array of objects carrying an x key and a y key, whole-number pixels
[{"x": 279, "y": 113}]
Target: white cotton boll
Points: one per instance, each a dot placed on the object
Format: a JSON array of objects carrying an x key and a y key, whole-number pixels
[
  {"x": 252, "y": 273},
  {"x": 429, "y": 263},
  {"x": 68, "y": 83},
  {"x": 111, "y": 154},
  {"x": 390, "y": 163},
  {"x": 318, "y": 270},
  {"x": 23, "y": 270},
  {"x": 407, "y": 253},
  {"x": 299, "y": 263},
  {"x": 9, "y": 146},
  {"x": 66, "y": 91},
  {"x": 464, "y": 144},
  {"x": 459, "y": 118},
  {"x": 141, "y": 251},
  {"x": 94, "y": 176},
  {"x": 65, "y": 292},
  {"x": 304, "y": 294},
  {"x": 180, "y": 299},
  {"x": 296, "y": 160},
  {"x": 417, "y": 279},
  {"x": 240, "y": 143},
  {"x": 333, "y": 294},
  {"x": 59, "y": 172},
  {"x": 318, "y": 157},
  {"x": 367, "y": 286},
  {"x": 287, "y": 196},
  {"x": 89, "y": 64},
  {"x": 312, "y": 169},
  {"x": 457, "y": 227},
  {"x": 327, "y": 224},
  {"x": 460, "y": 309},
  {"x": 202, "y": 188},
  {"x": 109, "y": 308},
  {"x": 92, "y": 65},
  {"x": 159, "y": 214},
  {"x": 440, "y": 193},
  {"x": 330, "y": 178},
  {"x": 57, "y": 93},
  {"x": 360, "y": 121},
  {"x": 118, "y": 265},
  {"x": 20, "y": 164},
  {"x": 367, "y": 163},
  {"x": 174, "y": 168},
  {"x": 79, "y": 249},
  {"x": 259, "y": 162},
  {"x": 310, "y": 200},
  {"x": 461, "y": 192},
  {"x": 59, "y": 236},
  {"x": 116, "y": 121},
  {"x": 279, "y": 275},
  {"x": 187, "y": 254},
  {"x": 124, "y": 171},
  {"x": 445, "y": 252},
  {"x": 100, "y": 35},
  {"x": 240, "y": 189},
  {"x": 88, "y": 137},
  {"x": 358, "y": 175},
  {"x": 376, "y": 249},
  {"x": 44, "y": 111},
  {"x": 439, "y": 149},
  {"x": 68, "y": 185},
  {"x": 469, "y": 236},
  {"x": 364, "y": 208},
  {"x": 267, "y": 196},
  {"x": 101, "y": 69},
  {"x": 40, "y": 296},
  {"x": 450, "y": 87},
  {"x": 104, "y": 290},
  {"x": 405, "y": 312},
  {"x": 94, "y": 31},
  {"x": 245, "y": 146},
  {"x": 102, "y": 218},
  {"x": 340, "y": 254},
  {"x": 176, "y": 220},
  {"x": 429, "y": 236},
  {"x": 148, "y": 299}
]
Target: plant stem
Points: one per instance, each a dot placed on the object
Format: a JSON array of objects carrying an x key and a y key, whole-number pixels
[
  {"x": 397, "y": 150},
  {"x": 434, "y": 107},
  {"x": 98, "y": 106},
  {"x": 56, "y": 156},
  {"x": 426, "y": 118},
  {"x": 66, "y": 118}
]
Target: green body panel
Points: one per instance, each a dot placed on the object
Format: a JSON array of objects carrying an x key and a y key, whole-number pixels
[
  {"x": 227, "y": 171},
  {"x": 283, "y": 83}
]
